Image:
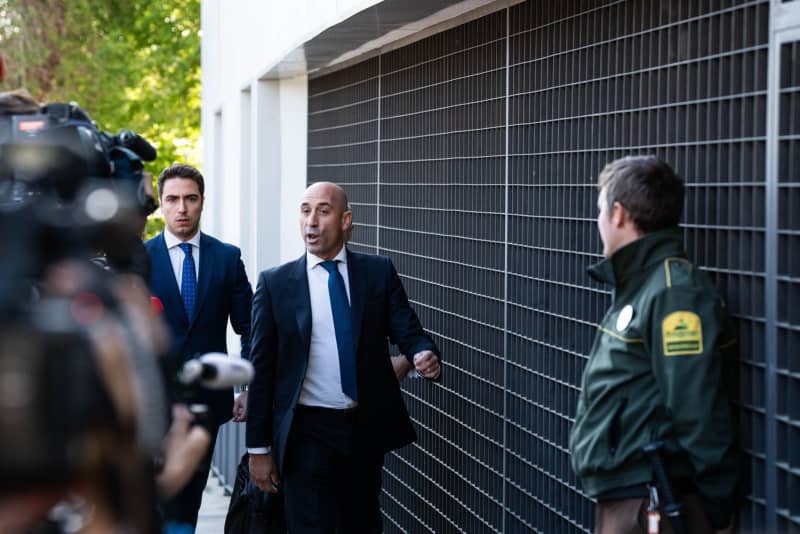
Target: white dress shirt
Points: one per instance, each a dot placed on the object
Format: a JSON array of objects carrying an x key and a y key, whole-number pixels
[
  {"x": 176, "y": 255},
  {"x": 323, "y": 383}
]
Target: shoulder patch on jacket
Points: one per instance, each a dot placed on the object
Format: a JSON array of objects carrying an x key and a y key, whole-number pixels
[
  {"x": 678, "y": 272},
  {"x": 682, "y": 334}
]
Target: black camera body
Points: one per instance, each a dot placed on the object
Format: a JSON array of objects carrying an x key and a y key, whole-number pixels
[
  {"x": 52, "y": 150},
  {"x": 69, "y": 191},
  {"x": 55, "y": 151}
]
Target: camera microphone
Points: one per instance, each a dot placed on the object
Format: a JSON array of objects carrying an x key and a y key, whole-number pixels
[
  {"x": 216, "y": 370},
  {"x": 138, "y": 144}
]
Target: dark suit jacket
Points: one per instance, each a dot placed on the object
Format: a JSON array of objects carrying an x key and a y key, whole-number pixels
[
  {"x": 222, "y": 291},
  {"x": 281, "y": 341}
]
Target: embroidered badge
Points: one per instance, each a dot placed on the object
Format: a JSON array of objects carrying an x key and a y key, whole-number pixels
[
  {"x": 682, "y": 333},
  {"x": 624, "y": 317}
]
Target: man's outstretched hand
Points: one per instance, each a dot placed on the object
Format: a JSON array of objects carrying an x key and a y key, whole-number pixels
[{"x": 426, "y": 363}]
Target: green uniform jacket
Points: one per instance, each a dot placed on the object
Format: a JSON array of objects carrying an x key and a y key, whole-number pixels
[{"x": 655, "y": 373}]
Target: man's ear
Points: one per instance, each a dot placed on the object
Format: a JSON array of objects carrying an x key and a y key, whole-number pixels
[
  {"x": 619, "y": 215},
  {"x": 347, "y": 220}
]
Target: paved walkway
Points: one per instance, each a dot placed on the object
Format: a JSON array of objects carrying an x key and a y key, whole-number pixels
[{"x": 214, "y": 508}]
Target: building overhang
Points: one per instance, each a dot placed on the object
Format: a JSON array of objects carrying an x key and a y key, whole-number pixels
[{"x": 376, "y": 29}]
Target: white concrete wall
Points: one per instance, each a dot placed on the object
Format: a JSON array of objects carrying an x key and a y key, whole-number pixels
[{"x": 254, "y": 131}]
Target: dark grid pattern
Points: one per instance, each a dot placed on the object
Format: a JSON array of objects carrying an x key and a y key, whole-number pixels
[
  {"x": 442, "y": 211},
  {"x": 788, "y": 317},
  {"x": 343, "y": 132},
  {"x": 478, "y": 181},
  {"x": 663, "y": 78}
]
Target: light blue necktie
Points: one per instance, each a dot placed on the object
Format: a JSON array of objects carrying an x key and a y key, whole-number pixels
[
  {"x": 188, "y": 281},
  {"x": 343, "y": 325}
]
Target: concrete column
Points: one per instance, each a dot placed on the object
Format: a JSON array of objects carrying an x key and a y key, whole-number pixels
[
  {"x": 294, "y": 149},
  {"x": 245, "y": 207},
  {"x": 265, "y": 182}
]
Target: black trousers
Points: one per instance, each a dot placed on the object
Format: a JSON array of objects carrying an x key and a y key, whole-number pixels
[
  {"x": 331, "y": 484},
  {"x": 183, "y": 507}
]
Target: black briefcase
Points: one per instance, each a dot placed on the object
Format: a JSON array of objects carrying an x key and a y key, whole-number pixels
[{"x": 252, "y": 511}]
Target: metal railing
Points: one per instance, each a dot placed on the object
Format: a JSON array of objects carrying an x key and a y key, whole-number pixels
[{"x": 227, "y": 453}]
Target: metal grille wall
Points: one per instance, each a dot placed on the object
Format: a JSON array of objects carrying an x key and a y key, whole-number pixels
[
  {"x": 343, "y": 140},
  {"x": 787, "y": 386},
  {"x": 471, "y": 157}
]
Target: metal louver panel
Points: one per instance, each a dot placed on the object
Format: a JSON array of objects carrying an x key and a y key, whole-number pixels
[{"x": 471, "y": 158}]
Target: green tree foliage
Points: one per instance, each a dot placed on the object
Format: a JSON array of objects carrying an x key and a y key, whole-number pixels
[
  {"x": 131, "y": 64},
  {"x": 154, "y": 226}
]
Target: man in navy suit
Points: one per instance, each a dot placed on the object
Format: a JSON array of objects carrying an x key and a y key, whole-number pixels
[
  {"x": 325, "y": 405},
  {"x": 201, "y": 283}
]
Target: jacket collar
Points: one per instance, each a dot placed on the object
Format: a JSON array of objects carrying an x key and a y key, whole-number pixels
[
  {"x": 357, "y": 280},
  {"x": 206, "y": 273},
  {"x": 313, "y": 260},
  {"x": 206, "y": 269},
  {"x": 298, "y": 282},
  {"x": 635, "y": 257},
  {"x": 171, "y": 240}
]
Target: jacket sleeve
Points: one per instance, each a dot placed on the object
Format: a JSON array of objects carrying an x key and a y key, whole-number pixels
[
  {"x": 687, "y": 334},
  {"x": 264, "y": 346},
  {"x": 405, "y": 330},
  {"x": 241, "y": 300}
]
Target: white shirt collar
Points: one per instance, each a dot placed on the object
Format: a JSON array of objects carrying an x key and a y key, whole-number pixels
[
  {"x": 173, "y": 241},
  {"x": 313, "y": 260}
]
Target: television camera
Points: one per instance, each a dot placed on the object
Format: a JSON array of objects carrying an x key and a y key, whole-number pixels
[
  {"x": 76, "y": 335},
  {"x": 82, "y": 382}
]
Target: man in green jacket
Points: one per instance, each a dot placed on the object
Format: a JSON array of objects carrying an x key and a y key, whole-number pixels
[{"x": 654, "y": 373}]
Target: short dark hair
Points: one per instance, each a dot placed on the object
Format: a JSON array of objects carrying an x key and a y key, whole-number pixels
[
  {"x": 647, "y": 187},
  {"x": 181, "y": 170}
]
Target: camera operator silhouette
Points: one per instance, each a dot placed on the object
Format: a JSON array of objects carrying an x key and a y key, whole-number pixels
[{"x": 82, "y": 397}]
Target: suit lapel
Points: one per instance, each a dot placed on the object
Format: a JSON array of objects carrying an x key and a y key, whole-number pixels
[
  {"x": 357, "y": 280},
  {"x": 298, "y": 282},
  {"x": 164, "y": 282},
  {"x": 206, "y": 272}
]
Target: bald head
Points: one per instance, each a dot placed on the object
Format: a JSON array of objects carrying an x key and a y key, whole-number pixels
[
  {"x": 324, "y": 219},
  {"x": 329, "y": 189}
]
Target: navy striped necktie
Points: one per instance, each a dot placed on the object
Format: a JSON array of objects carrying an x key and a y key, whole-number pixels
[{"x": 343, "y": 325}]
